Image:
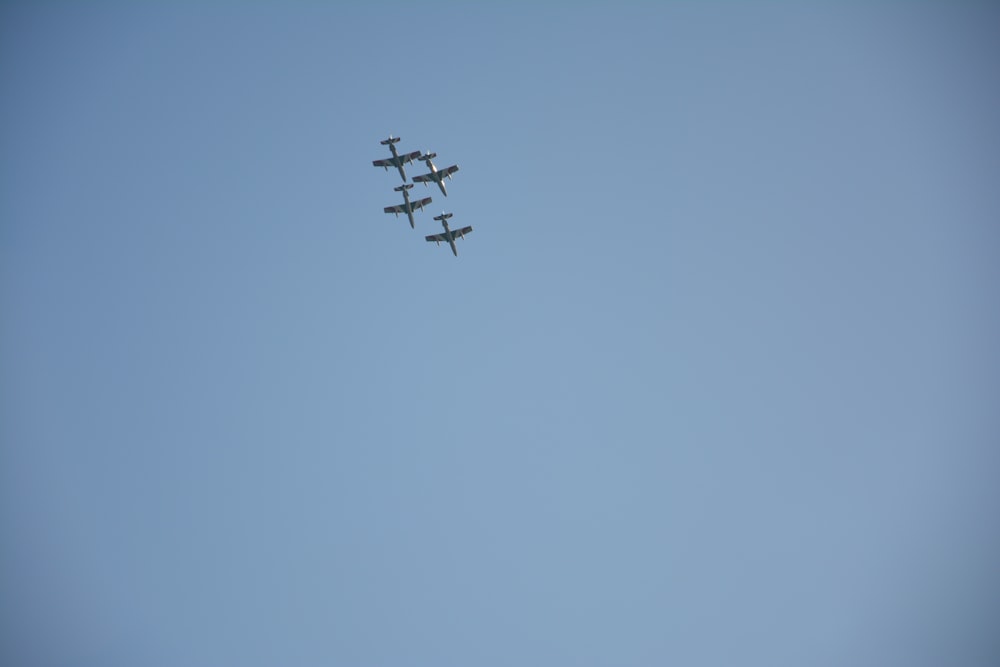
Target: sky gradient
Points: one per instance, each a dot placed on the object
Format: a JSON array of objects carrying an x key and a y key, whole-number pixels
[{"x": 713, "y": 382}]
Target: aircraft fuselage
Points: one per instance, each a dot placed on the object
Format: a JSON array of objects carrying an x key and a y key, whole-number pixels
[
  {"x": 408, "y": 207},
  {"x": 438, "y": 178},
  {"x": 451, "y": 237},
  {"x": 398, "y": 162}
]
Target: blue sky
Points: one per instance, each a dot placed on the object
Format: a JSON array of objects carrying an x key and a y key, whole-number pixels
[{"x": 714, "y": 381}]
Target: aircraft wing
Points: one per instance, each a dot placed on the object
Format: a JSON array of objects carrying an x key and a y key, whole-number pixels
[
  {"x": 414, "y": 205},
  {"x": 406, "y": 158},
  {"x": 426, "y": 178},
  {"x": 449, "y": 171},
  {"x": 443, "y": 238}
]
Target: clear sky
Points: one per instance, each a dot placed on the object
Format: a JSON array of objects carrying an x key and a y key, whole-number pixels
[{"x": 715, "y": 381}]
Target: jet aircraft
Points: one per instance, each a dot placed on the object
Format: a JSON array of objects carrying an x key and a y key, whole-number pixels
[
  {"x": 407, "y": 207},
  {"x": 449, "y": 235},
  {"x": 396, "y": 160},
  {"x": 435, "y": 176}
]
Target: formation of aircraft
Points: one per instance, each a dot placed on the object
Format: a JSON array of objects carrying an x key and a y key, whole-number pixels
[
  {"x": 409, "y": 207},
  {"x": 449, "y": 235}
]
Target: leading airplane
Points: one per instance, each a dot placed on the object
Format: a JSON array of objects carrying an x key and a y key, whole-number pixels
[
  {"x": 435, "y": 176},
  {"x": 449, "y": 235},
  {"x": 396, "y": 160},
  {"x": 407, "y": 207}
]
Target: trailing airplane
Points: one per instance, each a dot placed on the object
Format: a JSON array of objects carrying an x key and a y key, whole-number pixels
[
  {"x": 449, "y": 236},
  {"x": 396, "y": 160},
  {"x": 407, "y": 207},
  {"x": 435, "y": 176}
]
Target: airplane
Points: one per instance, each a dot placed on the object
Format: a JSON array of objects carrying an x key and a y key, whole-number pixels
[
  {"x": 407, "y": 206},
  {"x": 396, "y": 160},
  {"x": 435, "y": 176},
  {"x": 448, "y": 235}
]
